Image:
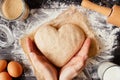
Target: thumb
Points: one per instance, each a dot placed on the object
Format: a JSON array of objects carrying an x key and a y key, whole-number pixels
[
  {"x": 68, "y": 74},
  {"x": 85, "y": 48}
]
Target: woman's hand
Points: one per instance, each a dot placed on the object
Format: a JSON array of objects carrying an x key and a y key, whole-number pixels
[
  {"x": 41, "y": 64},
  {"x": 77, "y": 63},
  {"x": 67, "y": 72}
]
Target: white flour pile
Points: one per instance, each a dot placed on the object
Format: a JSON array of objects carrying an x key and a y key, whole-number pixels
[{"x": 104, "y": 32}]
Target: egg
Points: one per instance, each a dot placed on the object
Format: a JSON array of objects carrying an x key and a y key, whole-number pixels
[
  {"x": 3, "y": 65},
  {"x": 14, "y": 69},
  {"x": 5, "y": 76}
]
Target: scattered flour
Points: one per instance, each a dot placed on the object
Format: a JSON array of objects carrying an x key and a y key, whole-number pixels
[{"x": 104, "y": 32}]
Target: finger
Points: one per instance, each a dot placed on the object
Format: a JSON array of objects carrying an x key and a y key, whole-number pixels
[
  {"x": 85, "y": 48},
  {"x": 76, "y": 63},
  {"x": 31, "y": 47},
  {"x": 29, "y": 44},
  {"x": 67, "y": 73},
  {"x": 72, "y": 68}
]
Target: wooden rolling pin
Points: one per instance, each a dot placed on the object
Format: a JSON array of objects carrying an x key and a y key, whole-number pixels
[{"x": 112, "y": 14}]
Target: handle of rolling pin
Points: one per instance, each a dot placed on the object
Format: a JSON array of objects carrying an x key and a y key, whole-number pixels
[{"x": 103, "y": 10}]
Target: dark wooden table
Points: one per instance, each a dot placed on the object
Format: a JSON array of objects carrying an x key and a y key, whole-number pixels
[{"x": 36, "y": 4}]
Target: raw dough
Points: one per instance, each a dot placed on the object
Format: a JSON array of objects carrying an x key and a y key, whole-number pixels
[{"x": 59, "y": 45}]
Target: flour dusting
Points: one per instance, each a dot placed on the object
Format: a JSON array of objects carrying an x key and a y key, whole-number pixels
[{"x": 104, "y": 32}]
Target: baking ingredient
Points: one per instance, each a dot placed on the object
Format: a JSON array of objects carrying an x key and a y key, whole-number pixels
[
  {"x": 5, "y": 76},
  {"x": 62, "y": 43},
  {"x": 6, "y": 36},
  {"x": 112, "y": 73},
  {"x": 3, "y": 65},
  {"x": 12, "y": 9},
  {"x": 109, "y": 71},
  {"x": 14, "y": 69}
]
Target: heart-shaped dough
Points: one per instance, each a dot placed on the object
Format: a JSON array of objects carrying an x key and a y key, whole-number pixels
[
  {"x": 59, "y": 45},
  {"x": 61, "y": 38}
]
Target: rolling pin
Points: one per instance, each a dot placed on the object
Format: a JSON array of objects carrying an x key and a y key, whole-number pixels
[{"x": 113, "y": 14}]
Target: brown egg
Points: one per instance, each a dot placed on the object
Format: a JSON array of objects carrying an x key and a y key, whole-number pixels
[
  {"x": 14, "y": 69},
  {"x": 5, "y": 76},
  {"x": 3, "y": 65}
]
